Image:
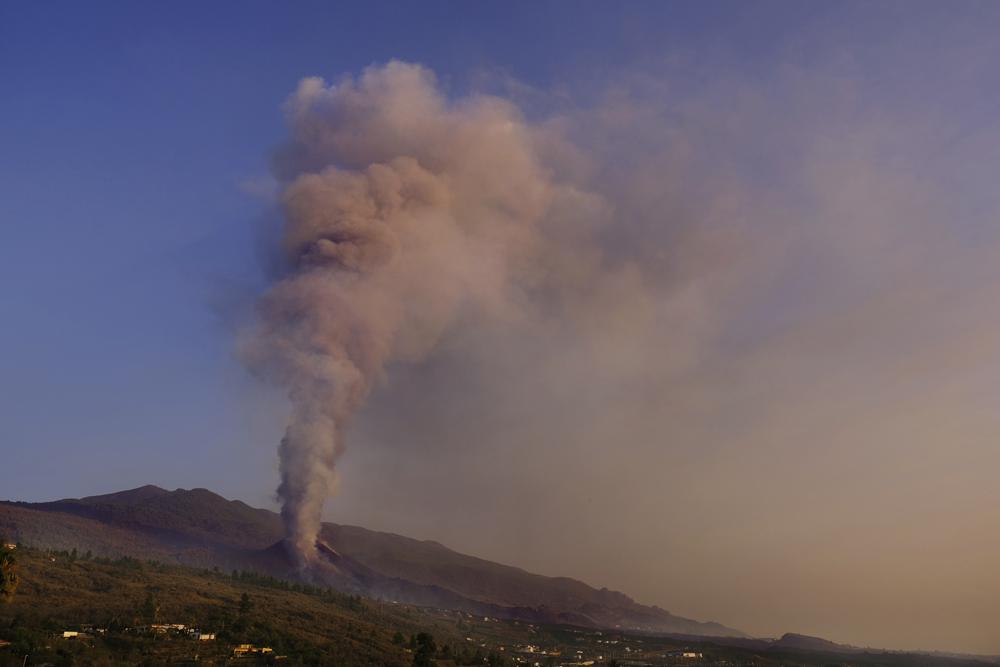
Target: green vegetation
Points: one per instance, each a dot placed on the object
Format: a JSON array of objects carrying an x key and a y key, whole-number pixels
[
  {"x": 425, "y": 651},
  {"x": 114, "y": 604}
]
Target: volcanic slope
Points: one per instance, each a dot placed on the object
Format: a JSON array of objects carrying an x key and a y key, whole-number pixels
[{"x": 199, "y": 528}]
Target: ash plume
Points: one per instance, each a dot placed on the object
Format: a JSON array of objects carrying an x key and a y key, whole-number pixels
[{"x": 404, "y": 212}]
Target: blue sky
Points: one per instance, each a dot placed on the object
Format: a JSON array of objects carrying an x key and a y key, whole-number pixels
[{"x": 820, "y": 178}]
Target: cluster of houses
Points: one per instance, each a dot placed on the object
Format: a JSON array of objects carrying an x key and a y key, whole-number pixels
[
  {"x": 249, "y": 651},
  {"x": 173, "y": 629},
  {"x": 611, "y": 648},
  {"x": 179, "y": 629}
]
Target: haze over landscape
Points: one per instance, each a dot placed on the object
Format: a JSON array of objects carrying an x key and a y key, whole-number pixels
[{"x": 694, "y": 301}]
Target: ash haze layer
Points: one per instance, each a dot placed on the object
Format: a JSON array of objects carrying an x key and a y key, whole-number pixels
[
  {"x": 767, "y": 325},
  {"x": 405, "y": 212}
]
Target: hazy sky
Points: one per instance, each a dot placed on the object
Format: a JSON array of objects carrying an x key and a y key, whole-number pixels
[{"x": 767, "y": 394}]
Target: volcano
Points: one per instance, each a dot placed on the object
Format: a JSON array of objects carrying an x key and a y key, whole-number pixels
[{"x": 201, "y": 529}]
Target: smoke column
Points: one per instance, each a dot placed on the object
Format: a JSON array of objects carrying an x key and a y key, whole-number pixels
[{"x": 404, "y": 211}]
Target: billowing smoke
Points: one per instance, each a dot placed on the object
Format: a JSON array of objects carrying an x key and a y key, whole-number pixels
[{"x": 404, "y": 213}]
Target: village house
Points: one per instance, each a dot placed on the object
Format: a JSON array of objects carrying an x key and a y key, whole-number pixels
[
  {"x": 688, "y": 654},
  {"x": 247, "y": 650},
  {"x": 161, "y": 628}
]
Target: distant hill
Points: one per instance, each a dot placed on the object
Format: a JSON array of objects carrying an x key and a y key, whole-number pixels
[
  {"x": 200, "y": 528},
  {"x": 796, "y": 642}
]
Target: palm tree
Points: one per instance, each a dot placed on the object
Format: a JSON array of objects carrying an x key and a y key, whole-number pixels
[{"x": 8, "y": 573}]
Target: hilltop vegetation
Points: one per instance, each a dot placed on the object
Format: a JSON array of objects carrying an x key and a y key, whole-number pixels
[
  {"x": 62, "y": 591},
  {"x": 114, "y": 603}
]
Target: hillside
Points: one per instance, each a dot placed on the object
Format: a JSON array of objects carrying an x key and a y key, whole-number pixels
[
  {"x": 114, "y": 604},
  {"x": 201, "y": 529}
]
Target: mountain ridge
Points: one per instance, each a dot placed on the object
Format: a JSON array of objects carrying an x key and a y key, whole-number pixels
[{"x": 198, "y": 527}]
